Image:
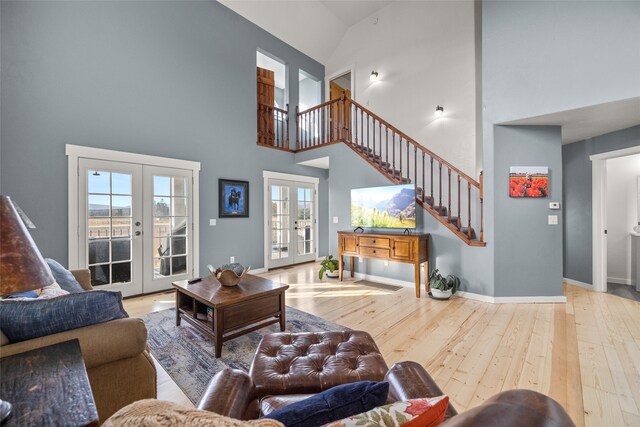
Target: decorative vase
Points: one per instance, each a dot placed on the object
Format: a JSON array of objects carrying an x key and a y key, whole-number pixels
[
  {"x": 229, "y": 277},
  {"x": 438, "y": 294},
  {"x": 334, "y": 273}
]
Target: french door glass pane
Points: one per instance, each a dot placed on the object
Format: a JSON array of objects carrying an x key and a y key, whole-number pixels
[
  {"x": 109, "y": 224},
  {"x": 170, "y": 226},
  {"x": 280, "y": 214}
]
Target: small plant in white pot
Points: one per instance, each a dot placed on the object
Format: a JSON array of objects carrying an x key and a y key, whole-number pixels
[
  {"x": 443, "y": 287},
  {"x": 330, "y": 266}
]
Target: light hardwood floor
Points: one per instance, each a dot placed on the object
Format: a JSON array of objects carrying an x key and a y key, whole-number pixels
[{"x": 585, "y": 353}]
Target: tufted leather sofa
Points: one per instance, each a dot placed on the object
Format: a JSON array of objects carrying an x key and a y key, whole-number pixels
[{"x": 290, "y": 367}]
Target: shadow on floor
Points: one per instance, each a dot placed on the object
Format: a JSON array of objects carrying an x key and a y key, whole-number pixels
[{"x": 624, "y": 291}]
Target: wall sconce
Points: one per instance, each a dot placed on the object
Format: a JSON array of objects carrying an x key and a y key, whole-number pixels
[
  {"x": 439, "y": 111},
  {"x": 373, "y": 76}
]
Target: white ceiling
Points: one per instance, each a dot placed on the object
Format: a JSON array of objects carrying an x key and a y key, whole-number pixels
[
  {"x": 313, "y": 27},
  {"x": 589, "y": 122},
  {"x": 350, "y": 12},
  {"x": 321, "y": 163}
]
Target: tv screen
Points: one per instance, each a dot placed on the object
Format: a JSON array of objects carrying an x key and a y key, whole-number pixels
[{"x": 392, "y": 206}]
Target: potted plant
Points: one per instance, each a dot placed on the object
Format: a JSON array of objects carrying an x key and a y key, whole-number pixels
[
  {"x": 441, "y": 287},
  {"x": 330, "y": 266}
]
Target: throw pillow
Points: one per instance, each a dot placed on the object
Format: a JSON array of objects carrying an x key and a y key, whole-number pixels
[
  {"x": 426, "y": 412},
  {"x": 28, "y": 319},
  {"x": 50, "y": 291},
  {"x": 333, "y": 404},
  {"x": 63, "y": 277},
  {"x": 159, "y": 413}
]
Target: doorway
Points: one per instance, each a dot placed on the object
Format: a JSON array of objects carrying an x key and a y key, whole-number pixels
[
  {"x": 291, "y": 225},
  {"x": 272, "y": 100},
  {"x": 614, "y": 217},
  {"x": 132, "y": 224}
]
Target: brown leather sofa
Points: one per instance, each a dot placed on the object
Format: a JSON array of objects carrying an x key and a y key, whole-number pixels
[
  {"x": 119, "y": 366},
  {"x": 232, "y": 393},
  {"x": 290, "y": 367}
]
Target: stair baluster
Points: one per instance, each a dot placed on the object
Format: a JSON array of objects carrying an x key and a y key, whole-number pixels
[
  {"x": 459, "y": 224},
  {"x": 449, "y": 197},
  {"x": 440, "y": 189},
  {"x": 469, "y": 204}
]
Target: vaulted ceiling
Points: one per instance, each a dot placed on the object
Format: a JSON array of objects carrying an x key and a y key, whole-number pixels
[{"x": 313, "y": 27}]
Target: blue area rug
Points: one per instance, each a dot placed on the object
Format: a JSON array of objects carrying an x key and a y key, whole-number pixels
[{"x": 188, "y": 355}]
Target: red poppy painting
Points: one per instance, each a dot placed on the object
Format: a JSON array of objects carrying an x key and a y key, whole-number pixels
[{"x": 528, "y": 181}]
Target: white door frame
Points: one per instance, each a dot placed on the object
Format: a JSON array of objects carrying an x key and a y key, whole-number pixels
[
  {"x": 75, "y": 152},
  {"x": 350, "y": 69},
  {"x": 599, "y": 224},
  {"x": 266, "y": 175}
]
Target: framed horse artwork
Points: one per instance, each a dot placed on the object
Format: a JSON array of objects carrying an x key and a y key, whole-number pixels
[{"x": 233, "y": 198}]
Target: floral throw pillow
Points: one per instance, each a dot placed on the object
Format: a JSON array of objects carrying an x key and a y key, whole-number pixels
[{"x": 425, "y": 412}]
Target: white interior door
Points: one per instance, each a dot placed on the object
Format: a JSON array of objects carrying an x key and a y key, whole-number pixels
[
  {"x": 168, "y": 227},
  {"x": 292, "y": 222},
  {"x": 136, "y": 225},
  {"x": 110, "y": 219}
]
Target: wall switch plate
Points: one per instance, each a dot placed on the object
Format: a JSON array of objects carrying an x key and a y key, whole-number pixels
[
  {"x": 553, "y": 219},
  {"x": 386, "y": 263},
  {"x": 554, "y": 205},
  {"x": 212, "y": 222},
  {"x": 335, "y": 219},
  {"x": 360, "y": 259},
  {"x": 232, "y": 259}
]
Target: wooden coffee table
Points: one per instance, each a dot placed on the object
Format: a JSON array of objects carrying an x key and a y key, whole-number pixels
[{"x": 253, "y": 304}]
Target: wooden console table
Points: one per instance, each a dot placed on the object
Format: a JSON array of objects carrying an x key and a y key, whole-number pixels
[{"x": 407, "y": 248}]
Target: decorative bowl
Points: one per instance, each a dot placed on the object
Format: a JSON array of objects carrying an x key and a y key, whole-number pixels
[{"x": 230, "y": 274}]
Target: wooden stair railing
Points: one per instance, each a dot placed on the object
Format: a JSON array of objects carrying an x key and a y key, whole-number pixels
[
  {"x": 448, "y": 194},
  {"x": 273, "y": 127}
]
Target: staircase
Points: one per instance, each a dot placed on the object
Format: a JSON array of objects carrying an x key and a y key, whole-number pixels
[{"x": 448, "y": 194}]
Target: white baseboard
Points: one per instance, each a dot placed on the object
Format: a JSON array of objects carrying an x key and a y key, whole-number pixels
[
  {"x": 578, "y": 283},
  {"x": 512, "y": 300},
  {"x": 476, "y": 297},
  {"x": 619, "y": 280},
  {"x": 386, "y": 280},
  {"x": 258, "y": 270},
  {"x": 463, "y": 294}
]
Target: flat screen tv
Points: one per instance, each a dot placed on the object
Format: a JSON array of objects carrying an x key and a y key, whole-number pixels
[{"x": 392, "y": 206}]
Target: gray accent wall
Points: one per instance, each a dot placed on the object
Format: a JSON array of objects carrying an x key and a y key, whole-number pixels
[
  {"x": 447, "y": 251},
  {"x": 528, "y": 251},
  {"x": 577, "y": 200},
  {"x": 540, "y": 58},
  {"x": 172, "y": 79}
]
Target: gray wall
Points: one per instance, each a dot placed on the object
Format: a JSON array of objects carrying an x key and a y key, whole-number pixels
[
  {"x": 577, "y": 200},
  {"x": 173, "y": 79},
  {"x": 528, "y": 251},
  {"x": 539, "y": 58},
  {"x": 447, "y": 252}
]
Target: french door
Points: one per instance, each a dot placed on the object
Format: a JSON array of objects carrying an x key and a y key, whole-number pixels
[
  {"x": 135, "y": 225},
  {"x": 292, "y": 222}
]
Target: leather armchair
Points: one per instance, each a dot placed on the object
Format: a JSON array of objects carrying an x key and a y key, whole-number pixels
[
  {"x": 115, "y": 354},
  {"x": 232, "y": 393}
]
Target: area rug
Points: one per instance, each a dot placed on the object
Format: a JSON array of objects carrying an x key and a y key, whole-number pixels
[{"x": 188, "y": 355}]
